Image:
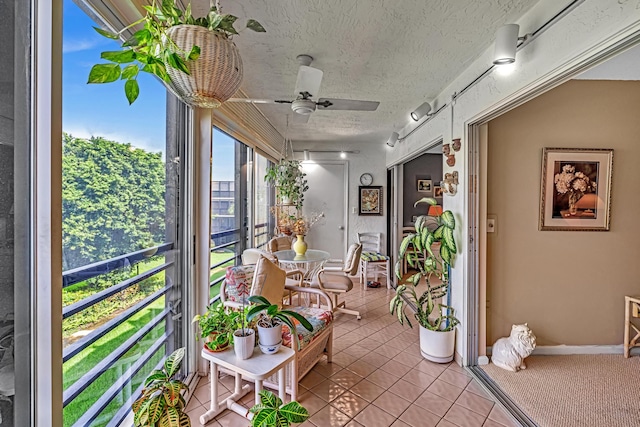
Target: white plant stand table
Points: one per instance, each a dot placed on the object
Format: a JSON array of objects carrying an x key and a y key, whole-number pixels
[{"x": 258, "y": 368}]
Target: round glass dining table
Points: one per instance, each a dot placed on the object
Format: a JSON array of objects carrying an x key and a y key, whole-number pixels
[{"x": 309, "y": 263}]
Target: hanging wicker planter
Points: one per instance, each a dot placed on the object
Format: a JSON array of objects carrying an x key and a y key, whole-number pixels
[{"x": 215, "y": 76}]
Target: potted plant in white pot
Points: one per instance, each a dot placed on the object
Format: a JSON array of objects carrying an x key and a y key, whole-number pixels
[
  {"x": 437, "y": 321},
  {"x": 289, "y": 180},
  {"x": 270, "y": 323},
  {"x": 194, "y": 57}
]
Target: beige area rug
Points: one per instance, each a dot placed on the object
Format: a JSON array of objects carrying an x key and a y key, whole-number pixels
[{"x": 599, "y": 390}]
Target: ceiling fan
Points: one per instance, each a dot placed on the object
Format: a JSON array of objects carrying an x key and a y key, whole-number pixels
[{"x": 307, "y": 88}]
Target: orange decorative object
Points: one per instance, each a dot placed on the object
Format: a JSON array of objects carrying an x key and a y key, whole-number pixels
[{"x": 435, "y": 210}]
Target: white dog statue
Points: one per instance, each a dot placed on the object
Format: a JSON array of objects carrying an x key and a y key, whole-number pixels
[{"x": 509, "y": 352}]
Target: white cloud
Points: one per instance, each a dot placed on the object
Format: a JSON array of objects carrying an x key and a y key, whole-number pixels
[{"x": 77, "y": 45}]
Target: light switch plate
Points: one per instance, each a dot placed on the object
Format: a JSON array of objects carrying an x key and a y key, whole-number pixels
[{"x": 492, "y": 224}]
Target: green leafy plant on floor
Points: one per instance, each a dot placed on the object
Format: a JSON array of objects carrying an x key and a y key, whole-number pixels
[
  {"x": 271, "y": 412},
  {"x": 412, "y": 248},
  {"x": 151, "y": 50},
  {"x": 161, "y": 403}
]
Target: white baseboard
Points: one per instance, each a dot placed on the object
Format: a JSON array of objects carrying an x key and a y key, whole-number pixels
[{"x": 548, "y": 350}]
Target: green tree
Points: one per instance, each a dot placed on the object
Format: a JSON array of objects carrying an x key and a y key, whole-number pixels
[{"x": 112, "y": 199}]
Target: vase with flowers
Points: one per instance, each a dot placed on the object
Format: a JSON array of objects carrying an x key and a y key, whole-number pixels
[
  {"x": 574, "y": 184},
  {"x": 300, "y": 226}
]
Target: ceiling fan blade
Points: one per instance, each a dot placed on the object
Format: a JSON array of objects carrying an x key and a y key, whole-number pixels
[
  {"x": 309, "y": 80},
  {"x": 346, "y": 104},
  {"x": 259, "y": 101}
]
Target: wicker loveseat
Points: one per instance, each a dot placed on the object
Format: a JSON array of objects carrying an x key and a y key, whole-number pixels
[{"x": 310, "y": 347}]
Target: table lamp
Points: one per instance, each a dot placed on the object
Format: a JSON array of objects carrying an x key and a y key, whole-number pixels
[{"x": 435, "y": 210}]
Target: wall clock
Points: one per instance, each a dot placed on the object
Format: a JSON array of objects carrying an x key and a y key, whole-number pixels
[{"x": 366, "y": 179}]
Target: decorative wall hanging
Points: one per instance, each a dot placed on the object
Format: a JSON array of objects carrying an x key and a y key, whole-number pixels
[
  {"x": 437, "y": 191},
  {"x": 576, "y": 189},
  {"x": 425, "y": 186},
  {"x": 370, "y": 200},
  {"x": 450, "y": 183},
  {"x": 456, "y": 144}
]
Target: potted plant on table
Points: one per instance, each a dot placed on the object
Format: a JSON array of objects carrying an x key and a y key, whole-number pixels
[
  {"x": 270, "y": 321},
  {"x": 217, "y": 327},
  {"x": 194, "y": 57},
  {"x": 161, "y": 402},
  {"x": 271, "y": 412},
  {"x": 437, "y": 321}
]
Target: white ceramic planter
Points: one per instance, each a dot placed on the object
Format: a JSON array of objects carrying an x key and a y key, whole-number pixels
[
  {"x": 437, "y": 346},
  {"x": 244, "y": 345},
  {"x": 270, "y": 336}
]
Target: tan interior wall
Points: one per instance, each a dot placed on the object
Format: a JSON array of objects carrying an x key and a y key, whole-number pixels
[{"x": 569, "y": 286}]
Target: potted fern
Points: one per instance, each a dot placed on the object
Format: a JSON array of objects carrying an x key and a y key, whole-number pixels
[
  {"x": 271, "y": 412},
  {"x": 161, "y": 402},
  {"x": 194, "y": 57},
  {"x": 437, "y": 321}
]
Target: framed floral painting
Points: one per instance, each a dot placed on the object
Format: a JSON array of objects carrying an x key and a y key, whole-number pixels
[
  {"x": 370, "y": 200},
  {"x": 576, "y": 189}
]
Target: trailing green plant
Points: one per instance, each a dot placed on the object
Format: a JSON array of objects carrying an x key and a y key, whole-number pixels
[
  {"x": 271, "y": 412},
  {"x": 161, "y": 402},
  {"x": 151, "y": 50},
  {"x": 289, "y": 180},
  {"x": 218, "y": 325},
  {"x": 411, "y": 250},
  {"x": 271, "y": 316}
]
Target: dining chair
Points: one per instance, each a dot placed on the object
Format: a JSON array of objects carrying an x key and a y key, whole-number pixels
[
  {"x": 281, "y": 243},
  {"x": 372, "y": 260},
  {"x": 336, "y": 281}
]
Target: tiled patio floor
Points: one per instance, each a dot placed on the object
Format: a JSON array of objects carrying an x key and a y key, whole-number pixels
[{"x": 377, "y": 379}]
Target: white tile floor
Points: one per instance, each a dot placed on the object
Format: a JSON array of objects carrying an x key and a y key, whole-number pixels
[{"x": 377, "y": 378}]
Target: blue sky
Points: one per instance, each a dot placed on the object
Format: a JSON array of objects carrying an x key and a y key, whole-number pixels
[{"x": 103, "y": 110}]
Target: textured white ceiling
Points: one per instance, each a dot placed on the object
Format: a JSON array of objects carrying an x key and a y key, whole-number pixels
[{"x": 398, "y": 52}]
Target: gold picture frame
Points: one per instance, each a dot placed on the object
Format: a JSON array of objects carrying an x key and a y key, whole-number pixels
[{"x": 576, "y": 189}]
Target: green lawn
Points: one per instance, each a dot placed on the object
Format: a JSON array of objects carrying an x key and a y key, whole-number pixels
[{"x": 76, "y": 367}]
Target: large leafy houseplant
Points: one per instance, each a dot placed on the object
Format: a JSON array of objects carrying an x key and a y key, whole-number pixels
[
  {"x": 271, "y": 412},
  {"x": 161, "y": 402},
  {"x": 289, "y": 180},
  {"x": 151, "y": 49},
  {"x": 424, "y": 241}
]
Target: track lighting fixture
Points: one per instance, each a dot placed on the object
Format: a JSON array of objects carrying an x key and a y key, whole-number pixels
[
  {"x": 343, "y": 155},
  {"x": 393, "y": 139},
  {"x": 506, "y": 44},
  {"x": 421, "y": 111}
]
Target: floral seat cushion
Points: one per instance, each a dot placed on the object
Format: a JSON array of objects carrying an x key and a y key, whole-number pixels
[
  {"x": 373, "y": 256},
  {"x": 319, "y": 318},
  {"x": 238, "y": 282}
]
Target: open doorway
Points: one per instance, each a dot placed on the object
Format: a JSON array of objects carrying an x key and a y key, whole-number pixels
[{"x": 568, "y": 286}]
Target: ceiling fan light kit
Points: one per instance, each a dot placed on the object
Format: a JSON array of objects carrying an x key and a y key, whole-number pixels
[{"x": 306, "y": 91}]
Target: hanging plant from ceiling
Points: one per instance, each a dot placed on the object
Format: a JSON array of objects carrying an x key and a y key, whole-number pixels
[{"x": 194, "y": 57}]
